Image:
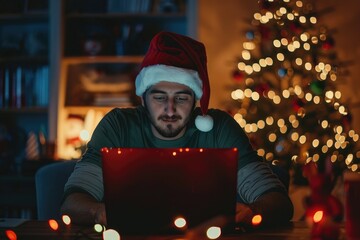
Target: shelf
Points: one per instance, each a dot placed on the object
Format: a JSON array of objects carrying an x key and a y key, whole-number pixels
[
  {"x": 24, "y": 34},
  {"x": 24, "y": 110},
  {"x": 24, "y": 70},
  {"x": 118, "y": 28},
  {"x": 126, "y": 16},
  {"x": 83, "y": 110},
  {"x": 99, "y": 59},
  {"x": 24, "y": 60},
  {"x": 100, "y": 81},
  {"x": 23, "y": 17}
]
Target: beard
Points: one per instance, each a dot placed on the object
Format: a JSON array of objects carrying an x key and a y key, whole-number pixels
[{"x": 168, "y": 130}]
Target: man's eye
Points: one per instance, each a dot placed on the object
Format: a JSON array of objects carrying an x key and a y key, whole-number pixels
[
  {"x": 159, "y": 98},
  {"x": 182, "y": 98}
]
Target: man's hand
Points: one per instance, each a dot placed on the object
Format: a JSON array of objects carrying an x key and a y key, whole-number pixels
[
  {"x": 84, "y": 209},
  {"x": 100, "y": 214},
  {"x": 244, "y": 214},
  {"x": 275, "y": 209}
]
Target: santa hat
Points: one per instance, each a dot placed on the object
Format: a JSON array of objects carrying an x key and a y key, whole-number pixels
[{"x": 176, "y": 58}]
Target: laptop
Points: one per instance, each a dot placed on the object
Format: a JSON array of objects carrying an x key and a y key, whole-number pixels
[{"x": 147, "y": 189}]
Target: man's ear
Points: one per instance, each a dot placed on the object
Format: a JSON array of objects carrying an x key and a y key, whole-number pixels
[{"x": 142, "y": 101}]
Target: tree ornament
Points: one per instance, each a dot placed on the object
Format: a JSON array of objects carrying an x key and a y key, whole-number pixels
[
  {"x": 265, "y": 32},
  {"x": 301, "y": 112},
  {"x": 250, "y": 35},
  {"x": 317, "y": 87},
  {"x": 282, "y": 72},
  {"x": 238, "y": 76},
  {"x": 297, "y": 104},
  {"x": 282, "y": 147},
  {"x": 262, "y": 88},
  {"x": 284, "y": 33},
  {"x": 328, "y": 44},
  {"x": 295, "y": 27}
]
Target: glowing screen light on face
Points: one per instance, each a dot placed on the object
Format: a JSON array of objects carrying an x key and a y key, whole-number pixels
[
  {"x": 11, "y": 235},
  {"x": 53, "y": 224},
  {"x": 111, "y": 234},
  {"x": 213, "y": 232}
]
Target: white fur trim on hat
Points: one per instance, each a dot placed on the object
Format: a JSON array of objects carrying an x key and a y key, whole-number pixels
[
  {"x": 204, "y": 123},
  {"x": 154, "y": 74}
]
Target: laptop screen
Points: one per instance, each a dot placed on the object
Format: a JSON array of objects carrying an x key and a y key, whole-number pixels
[{"x": 146, "y": 189}]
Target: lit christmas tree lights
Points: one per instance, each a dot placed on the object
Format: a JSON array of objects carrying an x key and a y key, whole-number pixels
[{"x": 285, "y": 89}]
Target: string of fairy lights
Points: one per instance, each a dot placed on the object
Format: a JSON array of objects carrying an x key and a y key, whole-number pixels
[
  {"x": 289, "y": 63},
  {"x": 62, "y": 227}
]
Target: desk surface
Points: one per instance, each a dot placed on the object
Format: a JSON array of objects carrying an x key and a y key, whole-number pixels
[{"x": 41, "y": 230}]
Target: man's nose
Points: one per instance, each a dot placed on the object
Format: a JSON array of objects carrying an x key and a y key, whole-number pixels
[{"x": 170, "y": 107}]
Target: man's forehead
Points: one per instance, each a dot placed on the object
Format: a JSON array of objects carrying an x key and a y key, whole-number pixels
[{"x": 170, "y": 86}]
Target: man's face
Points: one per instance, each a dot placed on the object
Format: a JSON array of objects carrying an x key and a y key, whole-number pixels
[{"x": 169, "y": 106}]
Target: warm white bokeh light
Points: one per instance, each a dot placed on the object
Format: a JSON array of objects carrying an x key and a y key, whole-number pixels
[
  {"x": 213, "y": 232},
  {"x": 66, "y": 219},
  {"x": 180, "y": 222},
  {"x": 111, "y": 234}
]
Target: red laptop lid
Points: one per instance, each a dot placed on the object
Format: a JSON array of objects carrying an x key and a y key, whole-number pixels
[{"x": 146, "y": 189}]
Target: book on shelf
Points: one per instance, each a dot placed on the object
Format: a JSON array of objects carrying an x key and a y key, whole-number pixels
[
  {"x": 125, "y": 6},
  {"x": 24, "y": 86}
]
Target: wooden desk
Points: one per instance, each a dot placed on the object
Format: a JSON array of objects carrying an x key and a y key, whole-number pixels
[{"x": 41, "y": 230}]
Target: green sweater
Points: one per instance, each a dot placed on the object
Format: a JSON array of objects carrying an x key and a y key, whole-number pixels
[{"x": 131, "y": 128}]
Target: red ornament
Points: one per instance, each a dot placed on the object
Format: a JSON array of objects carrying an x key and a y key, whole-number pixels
[
  {"x": 265, "y": 32},
  {"x": 262, "y": 88},
  {"x": 328, "y": 44},
  {"x": 297, "y": 104},
  {"x": 295, "y": 27},
  {"x": 284, "y": 33},
  {"x": 238, "y": 76}
]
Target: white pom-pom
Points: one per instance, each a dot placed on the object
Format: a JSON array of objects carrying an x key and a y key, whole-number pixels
[{"x": 204, "y": 123}]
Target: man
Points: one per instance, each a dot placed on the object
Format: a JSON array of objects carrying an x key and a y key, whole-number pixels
[{"x": 173, "y": 77}]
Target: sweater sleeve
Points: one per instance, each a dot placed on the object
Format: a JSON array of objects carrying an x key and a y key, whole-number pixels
[
  {"x": 87, "y": 175},
  {"x": 255, "y": 179}
]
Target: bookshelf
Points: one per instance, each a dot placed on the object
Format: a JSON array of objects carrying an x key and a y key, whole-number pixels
[
  {"x": 24, "y": 99},
  {"x": 102, "y": 44},
  {"x": 24, "y": 77},
  {"x": 24, "y": 48}
]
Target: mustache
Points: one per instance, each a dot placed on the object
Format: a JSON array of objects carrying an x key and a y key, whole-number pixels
[{"x": 171, "y": 118}]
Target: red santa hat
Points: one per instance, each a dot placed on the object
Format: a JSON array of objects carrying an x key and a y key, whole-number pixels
[{"x": 176, "y": 58}]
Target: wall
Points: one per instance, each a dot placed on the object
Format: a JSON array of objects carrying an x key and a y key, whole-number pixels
[{"x": 222, "y": 26}]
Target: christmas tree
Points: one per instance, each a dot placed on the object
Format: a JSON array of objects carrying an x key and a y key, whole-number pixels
[{"x": 284, "y": 91}]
